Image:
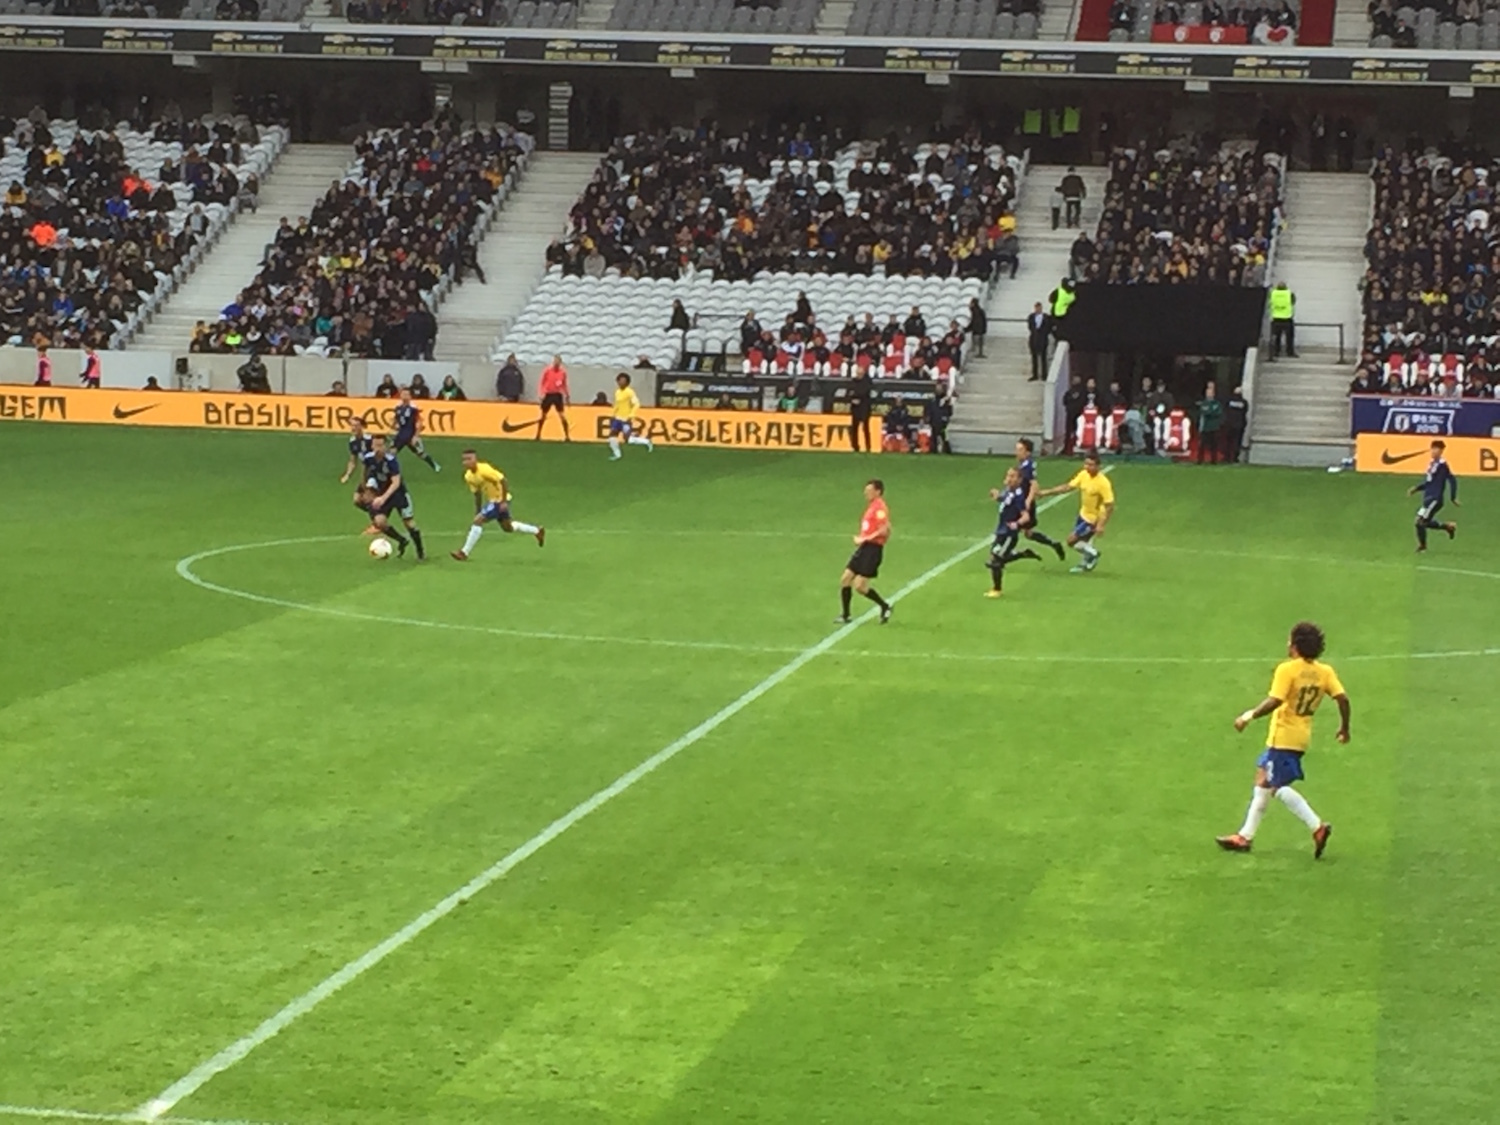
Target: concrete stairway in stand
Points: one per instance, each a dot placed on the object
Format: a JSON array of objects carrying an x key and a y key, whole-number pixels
[
  {"x": 594, "y": 14},
  {"x": 295, "y": 184},
  {"x": 834, "y": 17},
  {"x": 996, "y": 403},
  {"x": 1057, "y": 20},
  {"x": 1300, "y": 410},
  {"x": 1321, "y": 253},
  {"x": 512, "y": 254},
  {"x": 1299, "y": 413},
  {"x": 1351, "y": 24}
]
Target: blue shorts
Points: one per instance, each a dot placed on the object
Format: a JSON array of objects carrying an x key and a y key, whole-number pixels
[
  {"x": 620, "y": 426},
  {"x": 496, "y": 510},
  {"x": 1282, "y": 767},
  {"x": 399, "y": 504},
  {"x": 406, "y": 440},
  {"x": 1082, "y": 529}
]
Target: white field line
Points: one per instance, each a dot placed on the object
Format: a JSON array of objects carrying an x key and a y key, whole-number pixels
[
  {"x": 46, "y": 1113},
  {"x": 207, "y": 1070}
]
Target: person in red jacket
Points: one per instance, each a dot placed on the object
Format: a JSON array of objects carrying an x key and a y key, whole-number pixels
[
  {"x": 553, "y": 388},
  {"x": 43, "y": 367}
]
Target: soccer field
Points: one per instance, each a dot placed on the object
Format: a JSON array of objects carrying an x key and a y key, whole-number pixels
[{"x": 955, "y": 869}]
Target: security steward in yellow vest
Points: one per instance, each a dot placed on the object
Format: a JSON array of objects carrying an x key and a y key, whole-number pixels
[
  {"x": 1283, "y": 323},
  {"x": 1060, "y": 300}
]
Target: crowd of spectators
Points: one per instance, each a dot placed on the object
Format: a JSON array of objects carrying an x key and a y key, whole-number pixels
[
  {"x": 358, "y": 275},
  {"x": 901, "y": 348},
  {"x": 1431, "y": 291},
  {"x": 85, "y": 237},
  {"x": 799, "y": 200},
  {"x": 1185, "y": 216},
  {"x": 1257, "y": 17}
]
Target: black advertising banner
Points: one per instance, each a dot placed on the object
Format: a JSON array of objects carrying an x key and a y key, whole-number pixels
[
  {"x": 702, "y": 391},
  {"x": 344, "y": 46},
  {"x": 1093, "y": 60},
  {"x": 705, "y": 391},
  {"x": 483, "y": 48},
  {"x": 237, "y": 42},
  {"x": 19, "y": 38},
  {"x": 693, "y": 54},
  {"x": 139, "y": 39}
]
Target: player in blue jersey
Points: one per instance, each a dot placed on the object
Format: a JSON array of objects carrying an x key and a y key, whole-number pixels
[
  {"x": 1012, "y": 501},
  {"x": 1026, "y": 464},
  {"x": 409, "y": 430},
  {"x": 359, "y": 445},
  {"x": 1438, "y": 481},
  {"x": 383, "y": 478}
]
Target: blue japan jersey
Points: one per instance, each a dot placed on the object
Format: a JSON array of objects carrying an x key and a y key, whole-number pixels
[
  {"x": 1027, "y": 469},
  {"x": 406, "y": 418},
  {"x": 380, "y": 470},
  {"x": 1012, "y": 507},
  {"x": 1439, "y": 478},
  {"x": 359, "y": 447}
]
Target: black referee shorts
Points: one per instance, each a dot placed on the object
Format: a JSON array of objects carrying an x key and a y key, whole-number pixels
[{"x": 866, "y": 559}]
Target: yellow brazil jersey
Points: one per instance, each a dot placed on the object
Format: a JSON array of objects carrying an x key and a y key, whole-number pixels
[
  {"x": 487, "y": 481},
  {"x": 1300, "y": 685},
  {"x": 1093, "y": 493},
  {"x": 626, "y": 403}
]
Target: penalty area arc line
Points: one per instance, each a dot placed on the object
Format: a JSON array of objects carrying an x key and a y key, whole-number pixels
[{"x": 158, "y": 1107}]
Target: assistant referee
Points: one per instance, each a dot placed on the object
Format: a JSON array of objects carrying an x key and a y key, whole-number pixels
[{"x": 869, "y": 550}]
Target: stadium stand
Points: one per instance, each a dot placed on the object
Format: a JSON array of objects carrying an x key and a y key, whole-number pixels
[
  {"x": 617, "y": 320},
  {"x": 1429, "y": 295},
  {"x": 947, "y": 19},
  {"x": 1308, "y": 23},
  {"x": 747, "y": 17},
  {"x": 98, "y": 227},
  {"x": 1428, "y": 25},
  {"x": 493, "y": 13},
  {"x": 1180, "y": 216},
  {"x": 730, "y": 223},
  {"x": 663, "y": 203},
  {"x": 363, "y": 273},
  {"x": 275, "y": 11}
]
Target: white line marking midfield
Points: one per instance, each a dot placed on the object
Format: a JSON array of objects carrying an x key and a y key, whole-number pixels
[
  {"x": 207, "y": 1070},
  {"x": 47, "y": 1113}
]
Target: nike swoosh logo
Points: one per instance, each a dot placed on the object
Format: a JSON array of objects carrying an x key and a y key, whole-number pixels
[
  {"x": 511, "y": 427},
  {"x": 1386, "y": 457},
  {"x": 120, "y": 412}
]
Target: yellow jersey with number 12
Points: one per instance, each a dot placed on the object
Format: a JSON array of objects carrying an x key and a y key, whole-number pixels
[
  {"x": 1300, "y": 685},
  {"x": 1093, "y": 493},
  {"x": 626, "y": 403}
]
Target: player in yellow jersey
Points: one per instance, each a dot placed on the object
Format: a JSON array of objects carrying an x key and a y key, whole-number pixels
[
  {"x": 1096, "y": 504},
  {"x": 491, "y": 502},
  {"x": 1298, "y": 686},
  {"x": 624, "y": 423}
]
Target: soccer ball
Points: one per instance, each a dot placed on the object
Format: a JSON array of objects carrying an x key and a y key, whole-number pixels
[{"x": 380, "y": 548}]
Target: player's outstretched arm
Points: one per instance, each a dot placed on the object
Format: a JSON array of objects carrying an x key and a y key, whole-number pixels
[
  {"x": 1104, "y": 514},
  {"x": 1057, "y": 489},
  {"x": 1259, "y": 711},
  {"x": 1343, "y": 702}
]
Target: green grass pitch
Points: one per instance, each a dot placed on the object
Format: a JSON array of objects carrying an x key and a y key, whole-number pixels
[{"x": 958, "y": 869}]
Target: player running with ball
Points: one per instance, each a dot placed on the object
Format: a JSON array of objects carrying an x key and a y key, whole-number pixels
[
  {"x": 491, "y": 502},
  {"x": 1298, "y": 686}
]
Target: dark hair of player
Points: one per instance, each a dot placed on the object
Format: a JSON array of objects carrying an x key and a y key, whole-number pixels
[
  {"x": 1091, "y": 456},
  {"x": 625, "y": 377},
  {"x": 1439, "y": 445},
  {"x": 877, "y": 484},
  {"x": 471, "y": 453},
  {"x": 1027, "y": 444},
  {"x": 1307, "y": 639}
]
